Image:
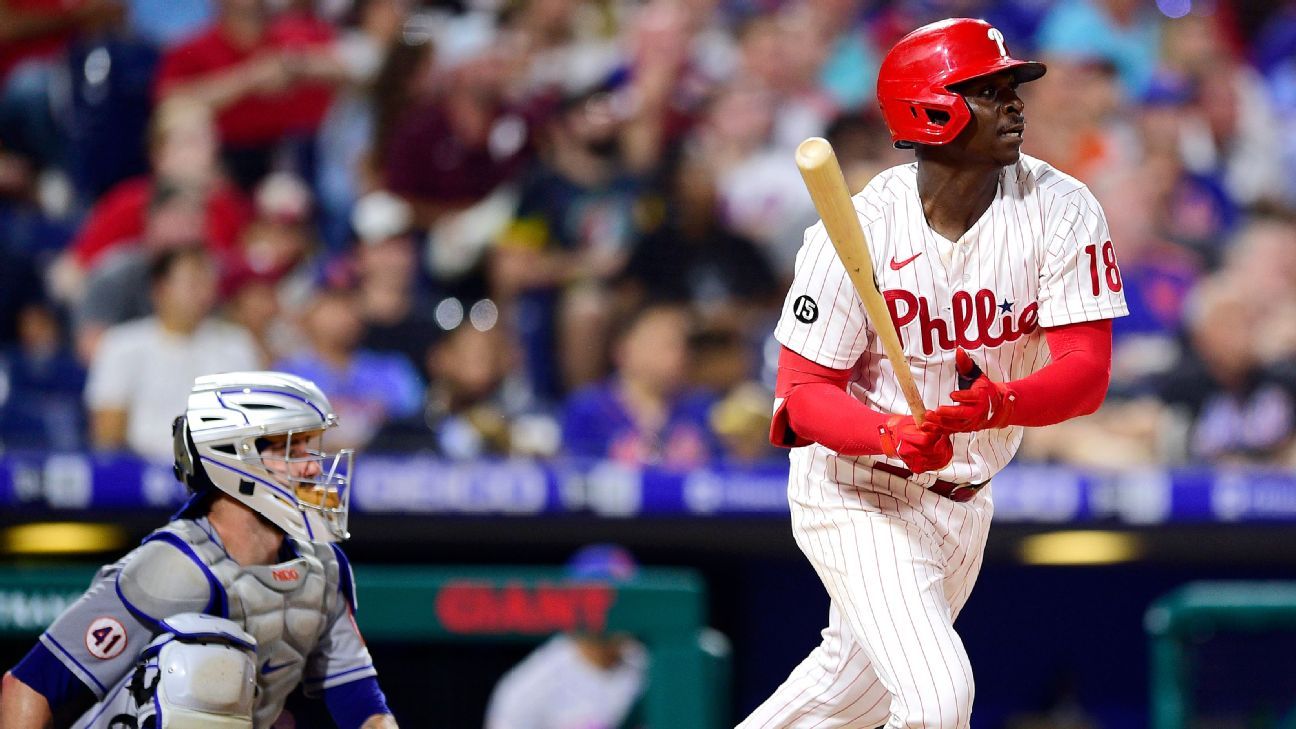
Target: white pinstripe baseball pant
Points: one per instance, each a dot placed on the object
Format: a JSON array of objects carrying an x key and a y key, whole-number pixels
[{"x": 898, "y": 562}]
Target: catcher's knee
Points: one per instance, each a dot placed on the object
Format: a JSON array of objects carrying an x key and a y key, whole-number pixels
[{"x": 205, "y": 675}]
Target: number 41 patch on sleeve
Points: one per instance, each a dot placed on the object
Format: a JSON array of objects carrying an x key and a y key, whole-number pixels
[{"x": 105, "y": 638}]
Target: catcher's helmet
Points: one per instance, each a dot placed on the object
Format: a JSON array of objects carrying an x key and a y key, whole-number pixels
[
  {"x": 913, "y": 83},
  {"x": 230, "y": 421}
]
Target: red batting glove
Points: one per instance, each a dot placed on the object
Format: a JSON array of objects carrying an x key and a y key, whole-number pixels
[
  {"x": 982, "y": 404},
  {"x": 922, "y": 447}
]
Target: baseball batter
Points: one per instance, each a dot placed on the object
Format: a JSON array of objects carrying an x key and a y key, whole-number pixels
[
  {"x": 1002, "y": 281},
  {"x": 221, "y": 613}
]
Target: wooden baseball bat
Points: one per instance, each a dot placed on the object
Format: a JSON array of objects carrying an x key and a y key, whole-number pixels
[{"x": 823, "y": 178}]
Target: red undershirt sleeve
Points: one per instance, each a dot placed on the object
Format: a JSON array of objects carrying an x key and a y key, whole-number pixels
[
  {"x": 812, "y": 406},
  {"x": 1074, "y": 383}
]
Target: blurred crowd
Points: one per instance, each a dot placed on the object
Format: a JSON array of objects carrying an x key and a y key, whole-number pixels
[{"x": 565, "y": 227}]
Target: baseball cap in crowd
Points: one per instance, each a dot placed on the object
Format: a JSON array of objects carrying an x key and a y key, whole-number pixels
[
  {"x": 381, "y": 216},
  {"x": 459, "y": 39},
  {"x": 283, "y": 197},
  {"x": 602, "y": 562}
]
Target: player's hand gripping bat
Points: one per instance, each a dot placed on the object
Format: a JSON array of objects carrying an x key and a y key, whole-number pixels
[{"x": 823, "y": 178}]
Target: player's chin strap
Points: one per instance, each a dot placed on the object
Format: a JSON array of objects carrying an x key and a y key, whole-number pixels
[{"x": 200, "y": 673}]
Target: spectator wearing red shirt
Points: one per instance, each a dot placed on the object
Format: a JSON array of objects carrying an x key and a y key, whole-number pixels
[
  {"x": 269, "y": 79},
  {"x": 455, "y": 149},
  {"x": 182, "y": 145}
]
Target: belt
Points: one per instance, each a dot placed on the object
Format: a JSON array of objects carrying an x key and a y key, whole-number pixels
[{"x": 953, "y": 491}]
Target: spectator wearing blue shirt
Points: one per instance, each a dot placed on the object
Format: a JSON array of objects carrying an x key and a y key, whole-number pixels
[
  {"x": 645, "y": 412},
  {"x": 366, "y": 387},
  {"x": 40, "y": 386}
]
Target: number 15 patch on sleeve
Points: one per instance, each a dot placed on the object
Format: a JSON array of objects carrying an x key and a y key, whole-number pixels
[{"x": 105, "y": 638}]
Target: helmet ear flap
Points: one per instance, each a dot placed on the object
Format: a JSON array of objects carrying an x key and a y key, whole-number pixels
[
  {"x": 186, "y": 466},
  {"x": 183, "y": 464},
  {"x": 931, "y": 116}
]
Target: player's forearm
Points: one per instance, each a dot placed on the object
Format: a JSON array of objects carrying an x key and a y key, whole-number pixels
[
  {"x": 1073, "y": 384},
  {"x": 380, "y": 721},
  {"x": 22, "y": 707},
  {"x": 816, "y": 408},
  {"x": 832, "y": 418}
]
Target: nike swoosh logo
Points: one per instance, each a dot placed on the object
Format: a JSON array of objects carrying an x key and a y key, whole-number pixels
[
  {"x": 897, "y": 265},
  {"x": 271, "y": 668}
]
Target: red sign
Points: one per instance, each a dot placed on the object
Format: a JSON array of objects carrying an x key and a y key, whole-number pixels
[
  {"x": 515, "y": 607},
  {"x": 287, "y": 574}
]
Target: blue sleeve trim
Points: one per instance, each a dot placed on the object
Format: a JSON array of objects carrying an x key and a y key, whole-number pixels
[
  {"x": 352, "y": 703},
  {"x": 47, "y": 638},
  {"x": 45, "y": 674},
  {"x": 218, "y": 603},
  {"x": 346, "y": 579}
]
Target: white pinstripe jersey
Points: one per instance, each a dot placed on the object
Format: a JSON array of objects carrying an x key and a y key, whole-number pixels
[{"x": 1040, "y": 256}]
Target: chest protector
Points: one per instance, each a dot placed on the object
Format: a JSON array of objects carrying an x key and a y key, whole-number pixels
[{"x": 284, "y": 606}]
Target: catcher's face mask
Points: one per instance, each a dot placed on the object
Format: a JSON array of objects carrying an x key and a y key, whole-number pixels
[{"x": 318, "y": 479}]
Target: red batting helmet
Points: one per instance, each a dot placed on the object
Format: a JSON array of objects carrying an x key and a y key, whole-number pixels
[{"x": 916, "y": 75}]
